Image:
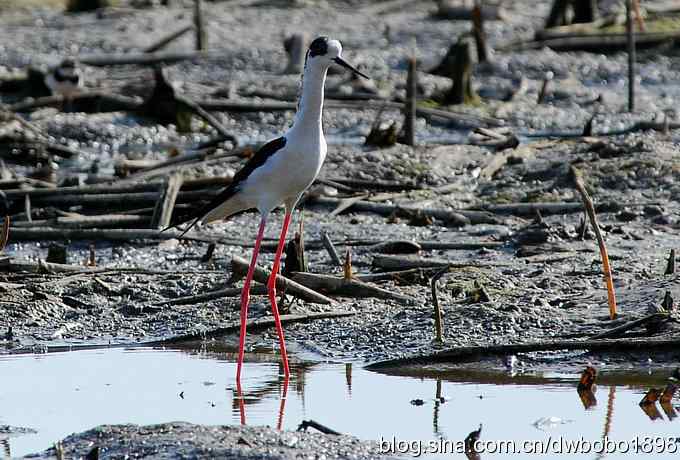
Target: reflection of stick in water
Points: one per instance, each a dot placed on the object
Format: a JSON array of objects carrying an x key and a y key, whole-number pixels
[
  {"x": 438, "y": 400},
  {"x": 5, "y": 448},
  {"x": 608, "y": 418},
  {"x": 348, "y": 378},
  {"x": 648, "y": 404},
  {"x": 586, "y": 387},
  {"x": 666, "y": 401}
]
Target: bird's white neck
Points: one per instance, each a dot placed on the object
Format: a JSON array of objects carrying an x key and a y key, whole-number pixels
[{"x": 309, "y": 111}]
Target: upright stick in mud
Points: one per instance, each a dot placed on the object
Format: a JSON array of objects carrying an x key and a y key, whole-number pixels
[
  {"x": 630, "y": 30},
  {"x": 606, "y": 268}
]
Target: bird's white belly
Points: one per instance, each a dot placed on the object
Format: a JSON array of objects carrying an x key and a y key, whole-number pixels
[{"x": 283, "y": 177}]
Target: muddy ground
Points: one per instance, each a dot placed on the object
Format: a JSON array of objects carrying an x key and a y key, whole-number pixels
[
  {"x": 543, "y": 281},
  {"x": 199, "y": 441}
]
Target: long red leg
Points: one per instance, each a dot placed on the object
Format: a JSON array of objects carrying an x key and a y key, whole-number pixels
[
  {"x": 271, "y": 286},
  {"x": 245, "y": 297}
]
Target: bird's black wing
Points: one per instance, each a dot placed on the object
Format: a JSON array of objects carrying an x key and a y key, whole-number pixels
[{"x": 257, "y": 160}]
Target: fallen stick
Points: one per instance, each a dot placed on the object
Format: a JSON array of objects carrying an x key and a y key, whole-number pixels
[
  {"x": 257, "y": 289},
  {"x": 619, "y": 330},
  {"x": 168, "y": 38},
  {"x": 467, "y": 354},
  {"x": 392, "y": 263},
  {"x": 118, "y": 199},
  {"x": 330, "y": 248},
  {"x": 97, "y": 222},
  {"x": 530, "y": 209},
  {"x": 590, "y": 209},
  {"x": 61, "y": 234},
  {"x": 252, "y": 326},
  {"x": 10, "y": 265},
  {"x": 453, "y": 217},
  {"x": 395, "y": 247},
  {"x": 207, "y": 117},
  {"x": 346, "y": 203},
  {"x": 379, "y": 185},
  {"x": 239, "y": 268},
  {"x": 104, "y": 102},
  {"x": 399, "y": 275},
  {"x": 425, "y": 112},
  {"x": 342, "y": 287},
  {"x": 100, "y": 60},
  {"x": 602, "y": 43},
  {"x": 317, "y": 426}
]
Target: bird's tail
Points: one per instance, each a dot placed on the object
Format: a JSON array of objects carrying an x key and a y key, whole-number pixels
[{"x": 226, "y": 204}]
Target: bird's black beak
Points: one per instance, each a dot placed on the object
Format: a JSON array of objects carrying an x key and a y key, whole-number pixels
[{"x": 346, "y": 65}]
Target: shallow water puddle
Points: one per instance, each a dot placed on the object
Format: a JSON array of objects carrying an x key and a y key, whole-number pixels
[{"x": 61, "y": 393}]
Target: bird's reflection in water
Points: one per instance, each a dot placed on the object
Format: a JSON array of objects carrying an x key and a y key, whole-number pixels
[
  {"x": 276, "y": 384},
  {"x": 470, "y": 444}
]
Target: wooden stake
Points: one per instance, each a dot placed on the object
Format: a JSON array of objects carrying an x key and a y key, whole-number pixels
[
  {"x": 201, "y": 39},
  {"x": 409, "y": 131},
  {"x": 480, "y": 35},
  {"x": 165, "y": 205},
  {"x": 670, "y": 265},
  {"x": 630, "y": 31},
  {"x": 296, "y": 47},
  {"x": 4, "y": 237},
  {"x": 347, "y": 266},
  {"x": 606, "y": 268},
  {"x": 438, "y": 334},
  {"x": 544, "y": 87}
]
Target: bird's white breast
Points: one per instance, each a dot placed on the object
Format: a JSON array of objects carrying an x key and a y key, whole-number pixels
[{"x": 286, "y": 174}]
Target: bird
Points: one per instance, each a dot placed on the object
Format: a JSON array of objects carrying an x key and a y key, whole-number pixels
[
  {"x": 279, "y": 173},
  {"x": 65, "y": 80}
]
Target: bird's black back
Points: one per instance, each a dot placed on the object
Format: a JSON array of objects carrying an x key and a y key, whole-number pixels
[{"x": 257, "y": 160}]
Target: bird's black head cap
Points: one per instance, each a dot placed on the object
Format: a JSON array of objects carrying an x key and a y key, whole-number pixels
[{"x": 318, "y": 47}]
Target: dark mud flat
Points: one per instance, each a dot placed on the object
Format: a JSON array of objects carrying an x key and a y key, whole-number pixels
[
  {"x": 185, "y": 440},
  {"x": 525, "y": 272}
]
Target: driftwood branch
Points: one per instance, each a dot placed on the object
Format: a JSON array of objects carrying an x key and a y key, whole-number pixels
[
  {"x": 467, "y": 354},
  {"x": 239, "y": 268},
  {"x": 343, "y": 287},
  {"x": 619, "y": 330}
]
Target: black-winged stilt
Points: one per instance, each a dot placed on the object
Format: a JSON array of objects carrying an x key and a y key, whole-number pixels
[
  {"x": 66, "y": 79},
  {"x": 278, "y": 174}
]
